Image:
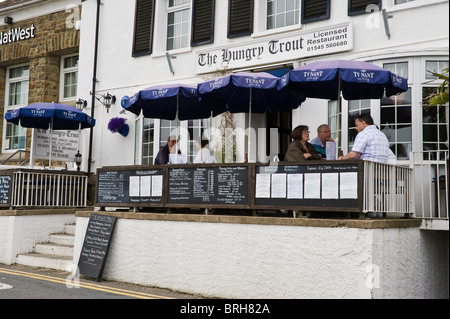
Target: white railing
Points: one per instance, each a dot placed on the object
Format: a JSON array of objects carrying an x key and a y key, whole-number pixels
[
  {"x": 387, "y": 188},
  {"x": 48, "y": 189},
  {"x": 431, "y": 179}
]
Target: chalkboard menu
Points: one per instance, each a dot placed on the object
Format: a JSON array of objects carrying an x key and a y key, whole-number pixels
[
  {"x": 130, "y": 187},
  {"x": 208, "y": 186},
  {"x": 5, "y": 185},
  {"x": 331, "y": 184},
  {"x": 96, "y": 245}
]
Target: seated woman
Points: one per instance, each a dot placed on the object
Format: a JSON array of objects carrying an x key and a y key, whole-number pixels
[
  {"x": 204, "y": 155},
  {"x": 300, "y": 149}
]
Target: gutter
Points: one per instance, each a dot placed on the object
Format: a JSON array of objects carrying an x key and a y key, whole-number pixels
[{"x": 94, "y": 83}]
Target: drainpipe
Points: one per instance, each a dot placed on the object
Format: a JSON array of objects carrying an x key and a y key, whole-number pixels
[{"x": 94, "y": 83}]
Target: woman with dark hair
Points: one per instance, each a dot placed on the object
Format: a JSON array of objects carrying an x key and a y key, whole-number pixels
[{"x": 300, "y": 149}]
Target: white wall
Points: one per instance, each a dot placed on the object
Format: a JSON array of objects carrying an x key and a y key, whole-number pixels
[
  {"x": 270, "y": 261},
  {"x": 19, "y": 234}
]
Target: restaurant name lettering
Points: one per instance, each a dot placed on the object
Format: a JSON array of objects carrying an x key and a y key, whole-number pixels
[{"x": 325, "y": 41}]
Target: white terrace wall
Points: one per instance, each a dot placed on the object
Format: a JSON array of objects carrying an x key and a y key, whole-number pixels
[
  {"x": 253, "y": 257},
  {"x": 21, "y": 230}
]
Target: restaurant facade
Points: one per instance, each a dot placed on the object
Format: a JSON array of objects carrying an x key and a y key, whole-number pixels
[
  {"x": 189, "y": 42},
  {"x": 239, "y": 249}
]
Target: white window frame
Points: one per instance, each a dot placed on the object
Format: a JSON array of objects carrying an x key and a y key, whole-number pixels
[
  {"x": 13, "y": 107},
  {"x": 177, "y": 8},
  {"x": 63, "y": 72},
  {"x": 260, "y": 21},
  {"x": 424, "y": 82}
]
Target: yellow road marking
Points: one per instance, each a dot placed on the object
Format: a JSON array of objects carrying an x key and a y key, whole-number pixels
[{"x": 86, "y": 285}]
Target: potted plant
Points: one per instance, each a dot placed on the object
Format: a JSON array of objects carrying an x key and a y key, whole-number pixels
[{"x": 118, "y": 125}]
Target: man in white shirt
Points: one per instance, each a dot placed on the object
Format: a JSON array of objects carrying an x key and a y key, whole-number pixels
[
  {"x": 370, "y": 143},
  {"x": 320, "y": 142}
]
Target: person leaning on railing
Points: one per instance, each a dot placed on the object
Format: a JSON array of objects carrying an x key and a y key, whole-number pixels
[
  {"x": 300, "y": 149},
  {"x": 370, "y": 143}
]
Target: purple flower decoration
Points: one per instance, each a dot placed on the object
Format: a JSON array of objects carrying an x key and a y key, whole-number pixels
[{"x": 116, "y": 123}]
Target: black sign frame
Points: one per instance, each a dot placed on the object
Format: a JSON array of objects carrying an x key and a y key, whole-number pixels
[
  {"x": 5, "y": 196},
  {"x": 317, "y": 204},
  {"x": 244, "y": 202},
  {"x": 127, "y": 172},
  {"x": 97, "y": 241}
]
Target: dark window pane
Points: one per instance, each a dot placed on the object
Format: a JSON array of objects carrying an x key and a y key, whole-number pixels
[
  {"x": 430, "y": 133},
  {"x": 388, "y": 115},
  {"x": 404, "y": 114}
]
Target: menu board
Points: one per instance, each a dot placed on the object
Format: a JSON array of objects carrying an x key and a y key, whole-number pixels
[
  {"x": 209, "y": 186},
  {"x": 130, "y": 186},
  {"x": 96, "y": 245},
  {"x": 5, "y": 184},
  {"x": 310, "y": 185}
]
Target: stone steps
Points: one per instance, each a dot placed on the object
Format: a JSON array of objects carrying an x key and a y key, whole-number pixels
[{"x": 57, "y": 253}]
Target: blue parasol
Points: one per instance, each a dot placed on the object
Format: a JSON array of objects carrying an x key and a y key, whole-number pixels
[
  {"x": 51, "y": 116},
  {"x": 246, "y": 92},
  {"x": 167, "y": 102},
  {"x": 356, "y": 80}
]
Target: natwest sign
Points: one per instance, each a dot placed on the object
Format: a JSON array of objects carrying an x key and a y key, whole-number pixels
[
  {"x": 17, "y": 34},
  {"x": 304, "y": 44}
]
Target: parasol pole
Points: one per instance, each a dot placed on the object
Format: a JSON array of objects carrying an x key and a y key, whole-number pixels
[
  {"x": 176, "y": 132},
  {"x": 338, "y": 124},
  {"x": 249, "y": 123},
  {"x": 51, "y": 143}
]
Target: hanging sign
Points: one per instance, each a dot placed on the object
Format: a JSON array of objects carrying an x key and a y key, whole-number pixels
[
  {"x": 304, "y": 44},
  {"x": 65, "y": 144}
]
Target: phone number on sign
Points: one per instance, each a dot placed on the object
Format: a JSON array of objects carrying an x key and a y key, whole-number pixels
[{"x": 327, "y": 46}]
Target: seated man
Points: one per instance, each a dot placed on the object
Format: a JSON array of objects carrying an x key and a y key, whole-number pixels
[
  {"x": 370, "y": 143},
  {"x": 320, "y": 142},
  {"x": 163, "y": 154}
]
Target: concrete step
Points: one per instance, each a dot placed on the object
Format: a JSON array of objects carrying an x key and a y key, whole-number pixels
[
  {"x": 55, "y": 254},
  {"x": 46, "y": 261},
  {"x": 62, "y": 239},
  {"x": 70, "y": 229},
  {"x": 54, "y": 249}
]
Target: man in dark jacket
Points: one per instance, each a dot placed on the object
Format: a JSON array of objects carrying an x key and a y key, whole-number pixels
[{"x": 163, "y": 154}]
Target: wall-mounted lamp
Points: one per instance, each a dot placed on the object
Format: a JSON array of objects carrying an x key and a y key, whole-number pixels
[
  {"x": 107, "y": 100},
  {"x": 8, "y": 20},
  {"x": 78, "y": 160},
  {"x": 81, "y": 104}
]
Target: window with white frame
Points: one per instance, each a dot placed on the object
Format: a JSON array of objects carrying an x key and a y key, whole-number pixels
[
  {"x": 69, "y": 77},
  {"x": 355, "y": 108},
  {"x": 282, "y": 13},
  {"x": 435, "y": 127},
  {"x": 334, "y": 116},
  {"x": 17, "y": 83},
  {"x": 148, "y": 141},
  {"x": 396, "y": 119},
  {"x": 402, "y": 1},
  {"x": 178, "y": 24}
]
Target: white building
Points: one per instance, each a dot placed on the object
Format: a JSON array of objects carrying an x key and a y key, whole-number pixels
[{"x": 135, "y": 40}]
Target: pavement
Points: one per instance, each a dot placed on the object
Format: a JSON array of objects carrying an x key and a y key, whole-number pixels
[{"x": 25, "y": 282}]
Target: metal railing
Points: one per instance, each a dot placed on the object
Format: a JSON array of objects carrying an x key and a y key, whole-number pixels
[
  {"x": 431, "y": 176},
  {"x": 49, "y": 189},
  {"x": 13, "y": 157},
  {"x": 388, "y": 188}
]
